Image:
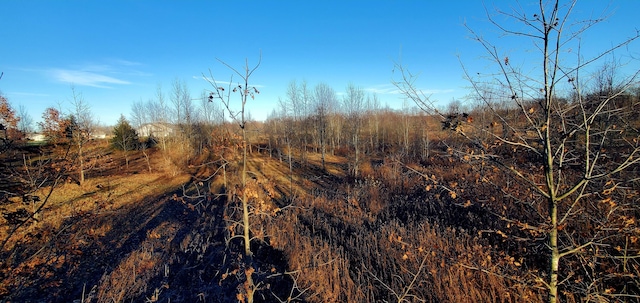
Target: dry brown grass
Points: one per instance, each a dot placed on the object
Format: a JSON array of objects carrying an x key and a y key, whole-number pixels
[
  {"x": 306, "y": 178},
  {"x": 132, "y": 235},
  {"x": 81, "y": 232},
  {"x": 341, "y": 243},
  {"x": 98, "y": 195}
]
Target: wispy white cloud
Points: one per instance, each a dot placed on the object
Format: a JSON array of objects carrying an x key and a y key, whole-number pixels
[
  {"x": 103, "y": 73},
  {"x": 85, "y": 78}
]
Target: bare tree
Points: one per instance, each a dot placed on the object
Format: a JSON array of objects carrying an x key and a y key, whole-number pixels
[
  {"x": 210, "y": 112},
  {"x": 296, "y": 109},
  {"x": 305, "y": 110},
  {"x": 139, "y": 113},
  {"x": 273, "y": 129},
  {"x": 81, "y": 129},
  {"x": 353, "y": 105},
  {"x": 183, "y": 110},
  {"x": 325, "y": 102},
  {"x": 294, "y": 100},
  {"x": 406, "y": 127},
  {"x": 177, "y": 99},
  {"x": 581, "y": 155},
  {"x": 373, "y": 114},
  {"x": 25, "y": 122},
  {"x": 288, "y": 132},
  {"x": 245, "y": 91},
  {"x": 159, "y": 112}
]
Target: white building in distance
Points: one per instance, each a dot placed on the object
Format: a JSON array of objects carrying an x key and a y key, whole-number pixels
[{"x": 155, "y": 129}]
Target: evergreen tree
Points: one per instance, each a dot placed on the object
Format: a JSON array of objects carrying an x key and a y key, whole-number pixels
[{"x": 125, "y": 137}]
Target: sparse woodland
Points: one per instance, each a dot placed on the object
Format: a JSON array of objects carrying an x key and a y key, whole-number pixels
[{"x": 528, "y": 192}]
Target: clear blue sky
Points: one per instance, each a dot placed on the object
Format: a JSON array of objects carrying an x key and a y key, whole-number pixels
[{"x": 118, "y": 52}]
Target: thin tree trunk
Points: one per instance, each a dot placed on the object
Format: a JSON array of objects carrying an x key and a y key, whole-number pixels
[
  {"x": 290, "y": 170},
  {"x": 323, "y": 149},
  {"x": 146, "y": 157},
  {"x": 81, "y": 165},
  {"x": 357, "y": 150},
  {"x": 245, "y": 203},
  {"x": 554, "y": 259},
  {"x": 555, "y": 254}
]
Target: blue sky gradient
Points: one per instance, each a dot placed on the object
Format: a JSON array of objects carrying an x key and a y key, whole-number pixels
[{"x": 118, "y": 52}]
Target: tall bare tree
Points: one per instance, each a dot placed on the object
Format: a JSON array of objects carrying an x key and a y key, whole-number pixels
[
  {"x": 183, "y": 110},
  {"x": 353, "y": 106},
  {"x": 139, "y": 113},
  {"x": 245, "y": 91},
  {"x": 373, "y": 114},
  {"x": 582, "y": 148},
  {"x": 296, "y": 101},
  {"x": 25, "y": 124},
  {"x": 305, "y": 109},
  {"x": 159, "y": 113},
  {"x": 325, "y": 102},
  {"x": 177, "y": 99},
  {"x": 82, "y": 129},
  {"x": 288, "y": 132},
  {"x": 210, "y": 112}
]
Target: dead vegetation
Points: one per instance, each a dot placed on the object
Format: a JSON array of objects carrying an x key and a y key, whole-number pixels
[{"x": 403, "y": 231}]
